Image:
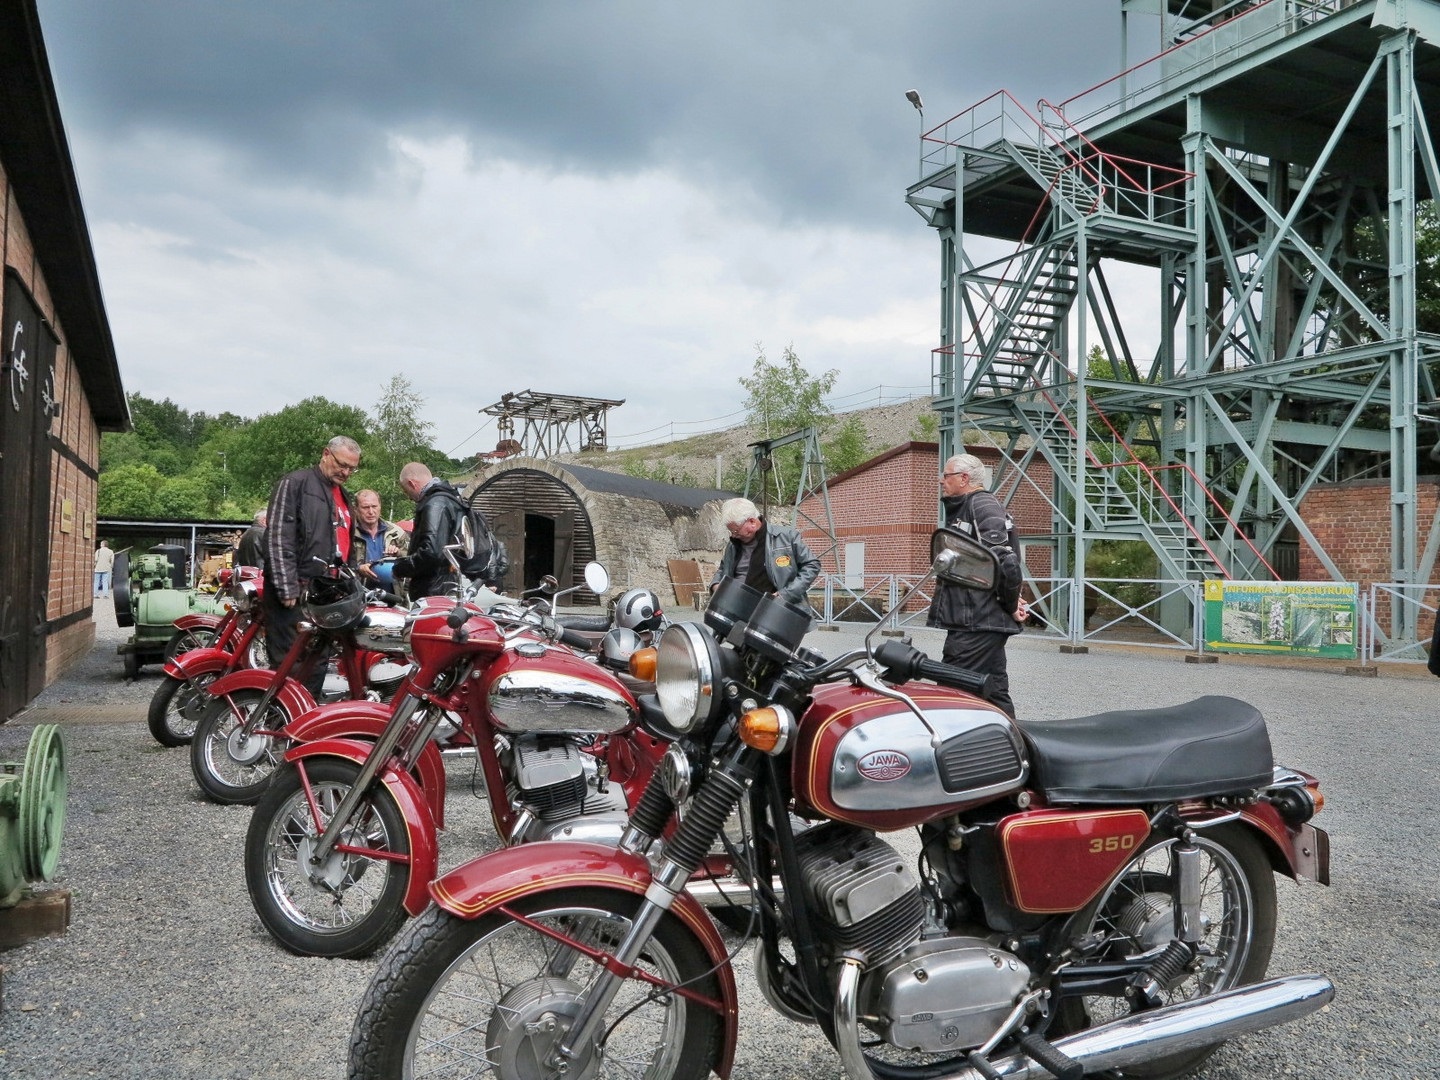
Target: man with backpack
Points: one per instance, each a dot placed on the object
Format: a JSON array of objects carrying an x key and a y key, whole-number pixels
[{"x": 439, "y": 510}]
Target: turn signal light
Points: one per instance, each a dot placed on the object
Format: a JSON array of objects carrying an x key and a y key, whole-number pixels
[
  {"x": 642, "y": 664},
  {"x": 768, "y": 729},
  {"x": 1317, "y": 797}
]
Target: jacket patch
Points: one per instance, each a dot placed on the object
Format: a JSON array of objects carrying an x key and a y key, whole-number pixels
[{"x": 782, "y": 560}]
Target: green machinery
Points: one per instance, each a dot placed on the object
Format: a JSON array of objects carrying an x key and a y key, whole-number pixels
[
  {"x": 150, "y": 594},
  {"x": 32, "y": 813}
]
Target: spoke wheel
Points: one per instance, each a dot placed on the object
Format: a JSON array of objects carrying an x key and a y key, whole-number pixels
[
  {"x": 183, "y": 641},
  {"x": 229, "y": 766},
  {"x": 1135, "y": 915},
  {"x": 177, "y": 707},
  {"x": 347, "y": 905},
  {"x": 492, "y": 997}
]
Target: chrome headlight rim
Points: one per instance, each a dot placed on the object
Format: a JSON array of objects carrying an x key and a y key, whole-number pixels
[{"x": 690, "y": 695}]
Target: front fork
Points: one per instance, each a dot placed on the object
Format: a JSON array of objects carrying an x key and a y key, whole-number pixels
[{"x": 682, "y": 855}]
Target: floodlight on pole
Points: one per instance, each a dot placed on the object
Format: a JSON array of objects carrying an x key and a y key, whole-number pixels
[{"x": 913, "y": 96}]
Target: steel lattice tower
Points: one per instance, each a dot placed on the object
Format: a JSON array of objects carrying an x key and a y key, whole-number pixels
[{"x": 1267, "y": 167}]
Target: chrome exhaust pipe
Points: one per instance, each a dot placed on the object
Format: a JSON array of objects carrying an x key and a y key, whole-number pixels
[
  {"x": 1133, "y": 1040},
  {"x": 712, "y": 892}
]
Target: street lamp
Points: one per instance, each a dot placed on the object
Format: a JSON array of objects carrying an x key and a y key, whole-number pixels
[{"x": 913, "y": 96}]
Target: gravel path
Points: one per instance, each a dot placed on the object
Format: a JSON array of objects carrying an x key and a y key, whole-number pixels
[{"x": 167, "y": 973}]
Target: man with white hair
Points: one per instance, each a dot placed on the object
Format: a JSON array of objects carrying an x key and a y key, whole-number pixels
[
  {"x": 770, "y": 558},
  {"x": 980, "y": 623}
]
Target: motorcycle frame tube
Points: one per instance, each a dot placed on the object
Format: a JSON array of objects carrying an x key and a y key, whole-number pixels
[
  {"x": 367, "y": 720},
  {"x": 406, "y": 791},
  {"x": 491, "y": 882},
  {"x": 293, "y": 696}
]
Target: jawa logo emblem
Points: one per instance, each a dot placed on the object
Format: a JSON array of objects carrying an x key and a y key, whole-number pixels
[{"x": 883, "y": 765}]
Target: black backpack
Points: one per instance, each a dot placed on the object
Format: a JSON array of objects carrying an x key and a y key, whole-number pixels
[{"x": 489, "y": 562}]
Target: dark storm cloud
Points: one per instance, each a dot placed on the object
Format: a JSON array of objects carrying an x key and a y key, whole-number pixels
[{"x": 799, "y": 105}]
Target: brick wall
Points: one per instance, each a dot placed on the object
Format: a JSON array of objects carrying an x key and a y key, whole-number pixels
[{"x": 74, "y": 462}]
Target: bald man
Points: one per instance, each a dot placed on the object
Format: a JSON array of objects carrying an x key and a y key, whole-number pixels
[{"x": 438, "y": 512}]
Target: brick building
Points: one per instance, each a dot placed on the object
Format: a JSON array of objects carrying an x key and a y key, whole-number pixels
[
  {"x": 886, "y": 508},
  {"x": 59, "y": 383}
]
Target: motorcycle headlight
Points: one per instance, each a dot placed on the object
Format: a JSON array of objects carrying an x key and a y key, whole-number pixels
[{"x": 687, "y": 676}]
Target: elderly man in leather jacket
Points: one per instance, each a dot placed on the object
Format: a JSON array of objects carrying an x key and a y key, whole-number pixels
[
  {"x": 980, "y": 623},
  {"x": 438, "y": 511},
  {"x": 771, "y": 558}
]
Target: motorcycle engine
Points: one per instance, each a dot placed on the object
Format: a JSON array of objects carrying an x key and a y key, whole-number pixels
[
  {"x": 938, "y": 995},
  {"x": 559, "y": 786}
]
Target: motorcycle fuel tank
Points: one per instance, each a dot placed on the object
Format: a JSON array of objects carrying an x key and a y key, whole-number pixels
[
  {"x": 555, "y": 690},
  {"x": 868, "y": 759}
]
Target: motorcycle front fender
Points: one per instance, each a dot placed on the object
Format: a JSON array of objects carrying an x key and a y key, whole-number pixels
[
  {"x": 198, "y": 662},
  {"x": 405, "y": 790},
  {"x": 293, "y": 697},
  {"x": 367, "y": 720},
  {"x": 502, "y": 877},
  {"x": 198, "y": 621}
]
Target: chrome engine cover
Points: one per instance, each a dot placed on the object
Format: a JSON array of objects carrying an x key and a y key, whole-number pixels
[
  {"x": 861, "y": 891},
  {"x": 944, "y": 995}
]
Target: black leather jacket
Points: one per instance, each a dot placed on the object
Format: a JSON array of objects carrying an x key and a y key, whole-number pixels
[
  {"x": 955, "y": 608},
  {"x": 300, "y": 532},
  {"x": 437, "y": 523}
]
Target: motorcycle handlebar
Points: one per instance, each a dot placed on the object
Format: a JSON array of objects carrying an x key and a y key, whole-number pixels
[
  {"x": 908, "y": 662},
  {"x": 575, "y": 640},
  {"x": 584, "y": 622}
]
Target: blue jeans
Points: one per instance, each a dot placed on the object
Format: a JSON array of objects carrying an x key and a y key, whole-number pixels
[{"x": 102, "y": 582}]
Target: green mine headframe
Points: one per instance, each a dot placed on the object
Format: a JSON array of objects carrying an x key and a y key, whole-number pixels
[{"x": 1267, "y": 168}]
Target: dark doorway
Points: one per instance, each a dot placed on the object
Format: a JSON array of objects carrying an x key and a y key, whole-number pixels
[
  {"x": 539, "y": 548},
  {"x": 27, "y": 404}
]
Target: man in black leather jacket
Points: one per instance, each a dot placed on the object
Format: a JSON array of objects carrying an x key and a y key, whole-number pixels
[
  {"x": 980, "y": 623},
  {"x": 438, "y": 511}
]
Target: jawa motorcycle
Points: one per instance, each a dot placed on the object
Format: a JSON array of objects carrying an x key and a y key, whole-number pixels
[
  {"x": 1091, "y": 894},
  {"x": 342, "y": 845},
  {"x": 238, "y": 740},
  {"x": 237, "y": 640}
]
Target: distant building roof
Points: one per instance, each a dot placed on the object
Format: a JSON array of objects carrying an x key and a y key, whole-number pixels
[
  {"x": 638, "y": 488},
  {"x": 37, "y": 162}
]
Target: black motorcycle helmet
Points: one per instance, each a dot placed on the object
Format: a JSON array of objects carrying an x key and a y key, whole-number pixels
[{"x": 334, "y": 602}]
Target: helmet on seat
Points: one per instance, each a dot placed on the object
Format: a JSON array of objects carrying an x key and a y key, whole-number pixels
[
  {"x": 638, "y": 609},
  {"x": 616, "y": 647},
  {"x": 334, "y": 603}
]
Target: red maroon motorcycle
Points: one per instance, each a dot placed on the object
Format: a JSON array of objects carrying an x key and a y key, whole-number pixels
[
  {"x": 1090, "y": 894},
  {"x": 342, "y": 845},
  {"x": 231, "y": 641},
  {"x": 239, "y": 739}
]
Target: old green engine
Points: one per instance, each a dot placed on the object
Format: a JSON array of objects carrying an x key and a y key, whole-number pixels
[
  {"x": 32, "y": 813},
  {"x": 150, "y": 594}
]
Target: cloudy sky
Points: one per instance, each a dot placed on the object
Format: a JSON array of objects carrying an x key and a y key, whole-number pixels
[{"x": 618, "y": 199}]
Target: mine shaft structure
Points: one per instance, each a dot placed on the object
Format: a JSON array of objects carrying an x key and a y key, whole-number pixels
[
  {"x": 552, "y": 423},
  {"x": 1263, "y": 173}
]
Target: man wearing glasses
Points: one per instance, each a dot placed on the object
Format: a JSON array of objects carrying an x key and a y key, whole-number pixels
[
  {"x": 979, "y": 623},
  {"x": 311, "y": 522}
]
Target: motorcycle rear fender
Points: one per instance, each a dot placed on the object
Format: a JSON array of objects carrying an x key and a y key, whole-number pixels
[
  {"x": 502, "y": 877},
  {"x": 405, "y": 790},
  {"x": 1289, "y": 851},
  {"x": 198, "y": 621},
  {"x": 293, "y": 697},
  {"x": 366, "y": 720},
  {"x": 198, "y": 662}
]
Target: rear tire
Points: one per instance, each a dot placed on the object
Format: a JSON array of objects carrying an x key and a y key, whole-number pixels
[
  {"x": 177, "y": 707},
  {"x": 1238, "y": 918},
  {"x": 357, "y": 903},
  {"x": 433, "y": 1001},
  {"x": 230, "y": 769}
]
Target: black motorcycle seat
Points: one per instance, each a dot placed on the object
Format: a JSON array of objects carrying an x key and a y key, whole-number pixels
[
  {"x": 1210, "y": 746},
  {"x": 589, "y": 623}
]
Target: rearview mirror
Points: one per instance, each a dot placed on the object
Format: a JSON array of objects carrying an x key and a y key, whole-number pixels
[
  {"x": 597, "y": 578},
  {"x": 960, "y": 559}
]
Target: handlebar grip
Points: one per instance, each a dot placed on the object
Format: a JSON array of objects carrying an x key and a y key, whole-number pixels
[
  {"x": 390, "y": 599},
  {"x": 972, "y": 682},
  {"x": 575, "y": 640}
]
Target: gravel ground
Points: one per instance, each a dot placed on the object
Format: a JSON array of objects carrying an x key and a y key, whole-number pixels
[{"x": 167, "y": 973}]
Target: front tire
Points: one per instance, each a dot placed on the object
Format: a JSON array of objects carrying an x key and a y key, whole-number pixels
[
  {"x": 231, "y": 768},
  {"x": 178, "y": 706},
  {"x": 1136, "y": 915},
  {"x": 453, "y": 993},
  {"x": 348, "y": 906},
  {"x": 183, "y": 641}
]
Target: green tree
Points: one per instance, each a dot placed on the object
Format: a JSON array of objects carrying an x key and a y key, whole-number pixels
[
  {"x": 397, "y": 434},
  {"x": 782, "y": 398},
  {"x": 290, "y": 439},
  {"x": 130, "y": 491},
  {"x": 848, "y": 447}
]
